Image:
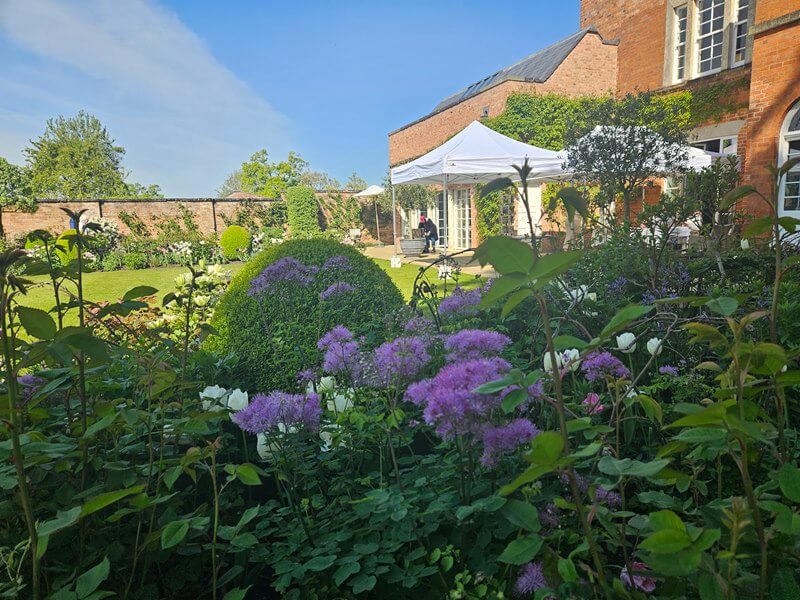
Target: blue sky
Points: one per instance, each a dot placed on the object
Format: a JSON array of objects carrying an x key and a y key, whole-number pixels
[{"x": 192, "y": 87}]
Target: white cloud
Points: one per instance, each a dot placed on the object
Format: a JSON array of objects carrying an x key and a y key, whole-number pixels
[{"x": 185, "y": 119}]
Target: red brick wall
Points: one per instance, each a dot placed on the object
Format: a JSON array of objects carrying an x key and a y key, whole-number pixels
[
  {"x": 640, "y": 27},
  {"x": 589, "y": 70},
  {"x": 50, "y": 216},
  {"x": 772, "y": 9},
  {"x": 774, "y": 88}
]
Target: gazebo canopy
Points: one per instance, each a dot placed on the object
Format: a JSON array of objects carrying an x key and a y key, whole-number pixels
[
  {"x": 373, "y": 190},
  {"x": 478, "y": 154}
]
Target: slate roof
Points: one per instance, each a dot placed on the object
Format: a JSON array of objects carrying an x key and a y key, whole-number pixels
[{"x": 536, "y": 68}]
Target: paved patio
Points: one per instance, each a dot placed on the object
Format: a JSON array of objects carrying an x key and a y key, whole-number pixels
[{"x": 386, "y": 253}]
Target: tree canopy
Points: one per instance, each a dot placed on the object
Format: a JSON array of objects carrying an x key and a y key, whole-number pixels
[
  {"x": 265, "y": 178},
  {"x": 15, "y": 189},
  {"x": 76, "y": 158}
]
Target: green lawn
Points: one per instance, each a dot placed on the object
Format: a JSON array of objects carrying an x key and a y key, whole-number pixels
[{"x": 112, "y": 285}]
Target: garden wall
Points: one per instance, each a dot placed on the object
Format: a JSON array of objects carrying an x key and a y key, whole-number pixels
[{"x": 208, "y": 212}]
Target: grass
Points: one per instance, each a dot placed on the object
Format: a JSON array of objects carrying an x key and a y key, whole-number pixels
[{"x": 112, "y": 285}]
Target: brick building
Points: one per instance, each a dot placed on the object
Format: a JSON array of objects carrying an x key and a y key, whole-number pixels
[{"x": 748, "y": 49}]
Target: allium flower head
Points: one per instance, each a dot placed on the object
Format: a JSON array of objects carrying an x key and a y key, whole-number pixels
[
  {"x": 530, "y": 579},
  {"x": 644, "y": 583},
  {"x": 470, "y": 344},
  {"x": 340, "y": 287},
  {"x": 337, "y": 335},
  {"x": 29, "y": 386},
  {"x": 498, "y": 441},
  {"x": 401, "y": 360},
  {"x": 668, "y": 370},
  {"x": 338, "y": 262},
  {"x": 460, "y": 304},
  {"x": 450, "y": 401},
  {"x": 279, "y": 411},
  {"x": 599, "y": 365},
  {"x": 419, "y": 325},
  {"x": 287, "y": 270}
]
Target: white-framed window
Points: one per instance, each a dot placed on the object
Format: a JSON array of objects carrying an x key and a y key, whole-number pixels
[
  {"x": 723, "y": 145},
  {"x": 790, "y": 148},
  {"x": 681, "y": 22},
  {"x": 711, "y": 27},
  {"x": 442, "y": 214},
  {"x": 463, "y": 218},
  {"x": 740, "y": 28}
]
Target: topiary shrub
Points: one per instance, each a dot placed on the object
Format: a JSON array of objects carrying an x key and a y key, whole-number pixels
[
  {"x": 301, "y": 207},
  {"x": 233, "y": 241},
  {"x": 287, "y": 297}
]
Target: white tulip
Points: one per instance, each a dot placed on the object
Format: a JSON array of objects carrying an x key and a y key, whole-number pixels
[
  {"x": 265, "y": 450},
  {"x": 745, "y": 244},
  {"x": 548, "y": 363},
  {"x": 592, "y": 296},
  {"x": 340, "y": 403},
  {"x": 570, "y": 358},
  {"x": 214, "y": 392},
  {"x": 238, "y": 400},
  {"x": 327, "y": 440},
  {"x": 626, "y": 342},
  {"x": 654, "y": 346},
  {"x": 326, "y": 384}
]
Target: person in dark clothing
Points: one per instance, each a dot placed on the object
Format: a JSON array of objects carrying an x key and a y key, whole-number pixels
[{"x": 431, "y": 236}]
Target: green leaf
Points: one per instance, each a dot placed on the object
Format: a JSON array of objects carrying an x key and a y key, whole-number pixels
[
  {"x": 629, "y": 467},
  {"x": 624, "y": 317},
  {"x": 100, "y": 501},
  {"x": 63, "y": 520},
  {"x": 666, "y": 541},
  {"x": 566, "y": 568},
  {"x": 521, "y": 550},
  {"x": 783, "y": 585},
  {"x": 573, "y": 199},
  {"x": 514, "y": 300},
  {"x": 173, "y": 533},
  {"x": 522, "y": 515},
  {"x": 248, "y": 474},
  {"x": 757, "y": 227},
  {"x": 723, "y": 306},
  {"x": 788, "y": 166},
  {"x": 89, "y": 581},
  {"x": 363, "y": 583},
  {"x": 495, "y": 185},
  {"x": 506, "y": 255},
  {"x": 710, "y": 588},
  {"x": 651, "y": 407},
  {"x": 735, "y": 195},
  {"x": 513, "y": 399},
  {"x": 666, "y": 519},
  {"x": 546, "y": 448},
  {"x": 565, "y": 342},
  {"x": 502, "y": 287},
  {"x": 789, "y": 480},
  {"x": 140, "y": 291},
  {"x": 37, "y": 322},
  {"x": 553, "y": 265},
  {"x": 100, "y": 425},
  {"x": 346, "y": 570},
  {"x": 712, "y": 415},
  {"x": 320, "y": 563},
  {"x": 237, "y": 593}
]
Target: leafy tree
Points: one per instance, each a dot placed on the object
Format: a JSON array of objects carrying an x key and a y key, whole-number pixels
[
  {"x": 320, "y": 180},
  {"x": 406, "y": 196},
  {"x": 233, "y": 183},
  {"x": 76, "y": 158},
  {"x": 356, "y": 183},
  {"x": 302, "y": 209},
  {"x": 259, "y": 176},
  {"x": 640, "y": 136},
  {"x": 137, "y": 190},
  {"x": 15, "y": 190}
]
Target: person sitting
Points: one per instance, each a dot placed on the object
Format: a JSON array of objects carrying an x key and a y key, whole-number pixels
[{"x": 431, "y": 236}]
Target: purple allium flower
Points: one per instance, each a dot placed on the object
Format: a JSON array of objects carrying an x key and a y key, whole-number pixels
[
  {"x": 279, "y": 411},
  {"x": 450, "y": 401},
  {"x": 460, "y": 304},
  {"x": 286, "y": 270},
  {"x": 501, "y": 440},
  {"x": 306, "y": 376},
  {"x": 618, "y": 285},
  {"x": 668, "y": 370},
  {"x": 593, "y": 404},
  {"x": 419, "y": 325},
  {"x": 401, "y": 359},
  {"x": 599, "y": 365},
  {"x": 548, "y": 515},
  {"x": 337, "y": 335},
  {"x": 530, "y": 579},
  {"x": 339, "y": 262},
  {"x": 645, "y": 583},
  {"x": 335, "y": 289},
  {"x": 609, "y": 498},
  {"x": 471, "y": 344},
  {"x": 30, "y": 385}
]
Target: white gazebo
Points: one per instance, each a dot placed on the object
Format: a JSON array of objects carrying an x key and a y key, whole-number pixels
[
  {"x": 475, "y": 155},
  {"x": 373, "y": 191}
]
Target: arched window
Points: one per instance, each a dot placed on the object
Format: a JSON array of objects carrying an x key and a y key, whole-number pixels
[{"x": 789, "y": 201}]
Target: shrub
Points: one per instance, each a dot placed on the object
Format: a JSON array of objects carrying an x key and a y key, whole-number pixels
[
  {"x": 276, "y": 337},
  {"x": 234, "y": 241},
  {"x": 301, "y": 204},
  {"x": 135, "y": 260}
]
